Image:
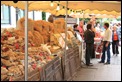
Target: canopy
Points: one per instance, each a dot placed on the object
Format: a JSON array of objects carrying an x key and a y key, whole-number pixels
[
  {"x": 96, "y": 7},
  {"x": 87, "y": 15}
]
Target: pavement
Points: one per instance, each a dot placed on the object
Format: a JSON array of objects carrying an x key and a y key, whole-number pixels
[{"x": 101, "y": 72}]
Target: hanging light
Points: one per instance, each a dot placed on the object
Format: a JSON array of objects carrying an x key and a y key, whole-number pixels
[
  {"x": 63, "y": 7},
  {"x": 51, "y": 4},
  {"x": 72, "y": 12},
  {"x": 82, "y": 11},
  {"x": 58, "y": 8},
  {"x": 78, "y": 12}
]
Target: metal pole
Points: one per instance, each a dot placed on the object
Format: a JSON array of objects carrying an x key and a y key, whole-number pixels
[
  {"x": 83, "y": 17},
  {"x": 16, "y": 15},
  {"x": 65, "y": 39},
  {"x": 26, "y": 41}
]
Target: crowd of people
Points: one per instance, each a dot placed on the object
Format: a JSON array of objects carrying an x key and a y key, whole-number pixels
[{"x": 112, "y": 36}]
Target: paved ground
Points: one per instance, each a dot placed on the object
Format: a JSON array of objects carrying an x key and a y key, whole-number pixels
[{"x": 101, "y": 72}]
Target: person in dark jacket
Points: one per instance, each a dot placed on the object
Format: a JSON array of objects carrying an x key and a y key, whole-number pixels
[
  {"x": 115, "y": 41},
  {"x": 89, "y": 40}
]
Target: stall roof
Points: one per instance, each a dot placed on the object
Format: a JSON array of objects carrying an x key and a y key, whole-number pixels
[{"x": 96, "y": 7}]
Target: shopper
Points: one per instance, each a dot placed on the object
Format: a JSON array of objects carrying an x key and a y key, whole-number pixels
[
  {"x": 115, "y": 41},
  {"x": 77, "y": 34},
  {"x": 76, "y": 29},
  {"x": 89, "y": 40},
  {"x": 119, "y": 30},
  {"x": 81, "y": 29},
  {"x": 97, "y": 28},
  {"x": 106, "y": 44},
  {"x": 92, "y": 22}
]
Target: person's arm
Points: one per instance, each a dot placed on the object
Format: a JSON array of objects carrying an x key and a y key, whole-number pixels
[{"x": 93, "y": 33}]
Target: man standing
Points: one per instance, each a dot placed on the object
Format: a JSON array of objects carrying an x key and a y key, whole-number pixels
[
  {"x": 106, "y": 44},
  {"x": 89, "y": 40}
]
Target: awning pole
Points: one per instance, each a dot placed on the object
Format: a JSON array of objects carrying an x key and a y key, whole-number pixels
[
  {"x": 26, "y": 41},
  {"x": 65, "y": 40}
]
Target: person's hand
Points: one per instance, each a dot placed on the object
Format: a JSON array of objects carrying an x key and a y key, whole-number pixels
[{"x": 106, "y": 45}]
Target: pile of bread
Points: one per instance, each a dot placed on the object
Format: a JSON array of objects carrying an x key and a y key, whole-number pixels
[
  {"x": 39, "y": 51},
  {"x": 12, "y": 55},
  {"x": 39, "y": 31}
]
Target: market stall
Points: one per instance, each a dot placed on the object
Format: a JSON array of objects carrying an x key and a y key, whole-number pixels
[{"x": 50, "y": 67}]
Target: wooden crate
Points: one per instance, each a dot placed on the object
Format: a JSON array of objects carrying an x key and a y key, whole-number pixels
[
  {"x": 57, "y": 70},
  {"x": 34, "y": 75},
  {"x": 21, "y": 78},
  {"x": 48, "y": 68},
  {"x": 49, "y": 71},
  {"x": 57, "y": 62},
  {"x": 67, "y": 72},
  {"x": 72, "y": 65},
  {"x": 53, "y": 71},
  {"x": 42, "y": 74},
  {"x": 58, "y": 73},
  {"x": 50, "y": 77},
  {"x": 78, "y": 63}
]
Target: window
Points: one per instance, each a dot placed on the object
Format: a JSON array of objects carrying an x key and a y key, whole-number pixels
[
  {"x": 43, "y": 16},
  {"x": 31, "y": 15},
  {"x": 5, "y": 15},
  {"x": 2, "y": 12},
  {"x": 19, "y": 14}
]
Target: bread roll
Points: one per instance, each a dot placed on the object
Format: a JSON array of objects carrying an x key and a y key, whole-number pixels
[{"x": 6, "y": 62}]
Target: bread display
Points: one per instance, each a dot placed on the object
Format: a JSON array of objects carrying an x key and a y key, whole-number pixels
[{"x": 44, "y": 38}]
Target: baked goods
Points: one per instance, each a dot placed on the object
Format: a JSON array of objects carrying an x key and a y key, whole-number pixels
[
  {"x": 4, "y": 70},
  {"x": 3, "y": 77},
  {"x": 6, "y": 62},
  {"x": 39, "y": 49},
  {"x": 21, "y": 24}
]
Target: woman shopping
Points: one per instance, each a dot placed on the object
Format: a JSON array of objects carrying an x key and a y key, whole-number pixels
[{"x": 115, "y": 41}]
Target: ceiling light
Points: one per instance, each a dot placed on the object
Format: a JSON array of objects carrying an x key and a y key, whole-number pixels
[
  {"x": 51, "y": 4},
  {"x": 58, "y": 8}
]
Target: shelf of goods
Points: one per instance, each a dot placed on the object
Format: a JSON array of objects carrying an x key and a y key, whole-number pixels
[{"x": 44, "y": 52}]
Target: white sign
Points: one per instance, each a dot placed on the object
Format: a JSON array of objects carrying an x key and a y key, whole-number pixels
[{"x": 71, "y": 20}]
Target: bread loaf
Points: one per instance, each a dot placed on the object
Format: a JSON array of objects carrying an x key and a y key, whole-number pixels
[
  {"x": 6, "y": 62},
  {"x": 21, "y": 24},
  {"x": 4, "y": 70}
]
